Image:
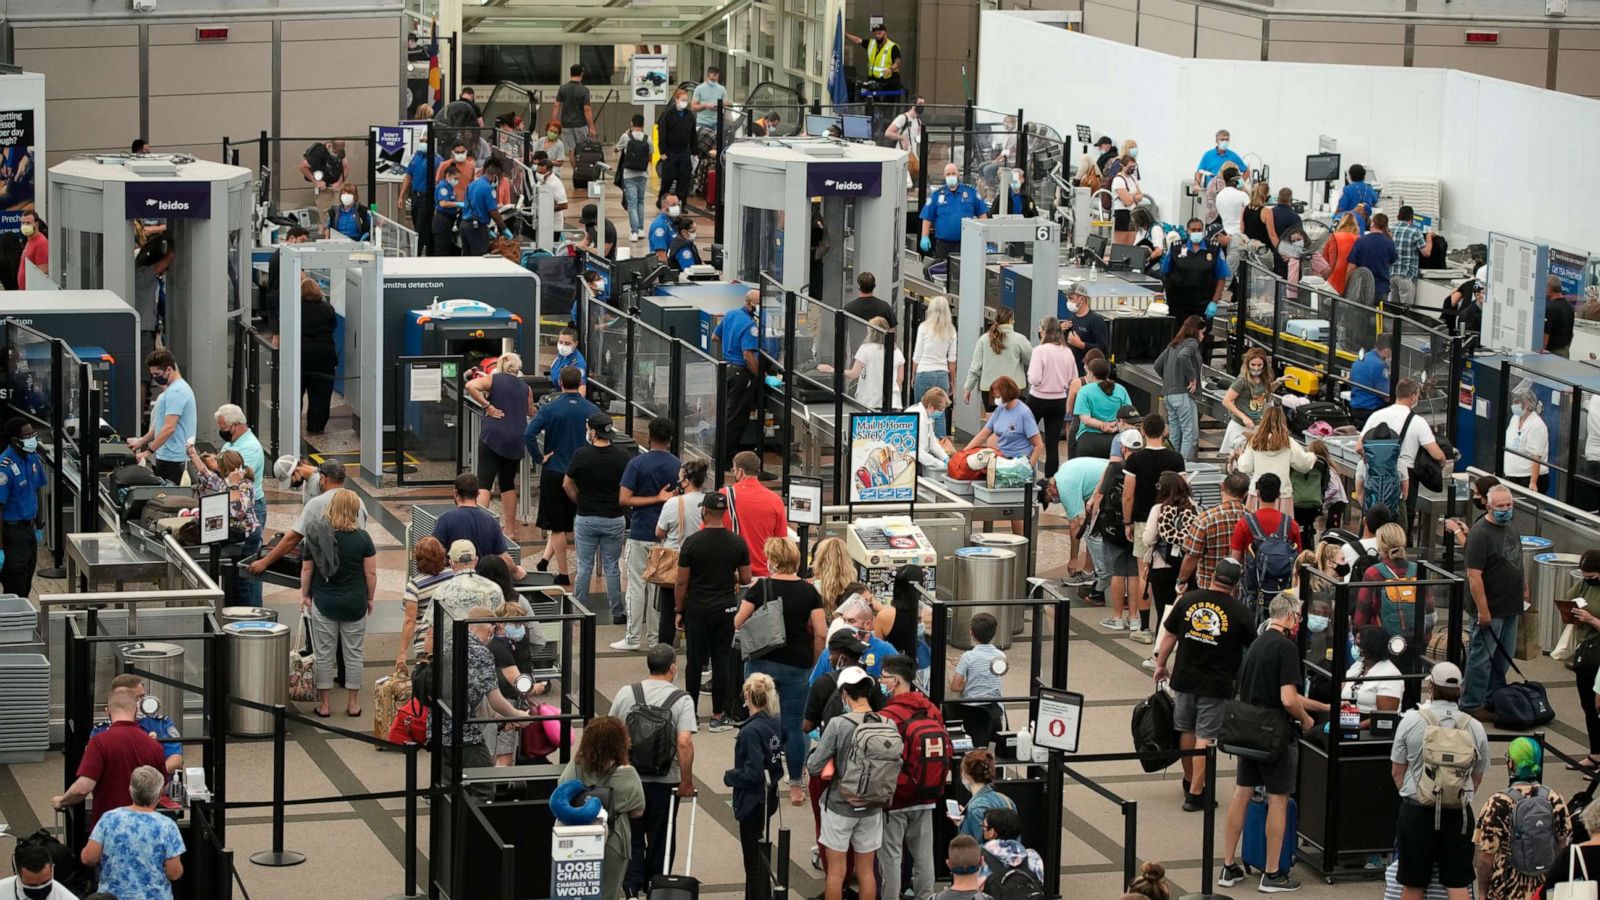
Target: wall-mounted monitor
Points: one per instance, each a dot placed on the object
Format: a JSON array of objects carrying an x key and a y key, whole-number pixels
[{"x": 1322, "y": 167}]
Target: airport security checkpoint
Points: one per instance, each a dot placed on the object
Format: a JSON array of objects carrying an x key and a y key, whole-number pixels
[{"x": 800, "y": 454}]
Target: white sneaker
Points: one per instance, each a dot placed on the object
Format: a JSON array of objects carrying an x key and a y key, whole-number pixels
[
  {"x": 1149, "y": 662},
  {"x": 1112, "y": 624},
  {"x": 634, "y": 236},
  {"x": 1141, "y": 636},
  {"x": 624, "y": 644}
]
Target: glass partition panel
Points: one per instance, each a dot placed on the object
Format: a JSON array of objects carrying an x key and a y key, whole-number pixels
[
  {"x": 651, "y": 362},
  {"x": 607, "y": 347},
  {"x": 698, "y": 422},
  {"x": 29, "y": 374}
]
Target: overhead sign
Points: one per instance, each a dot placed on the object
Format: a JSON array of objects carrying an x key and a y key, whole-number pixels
[
  {"x": 168, "y": 200},
  {"x": 390, "y": 138},
  {"x": 1060, "y": 720},
  {"x": 649, "y": 77},
  {"x": 844, "y": 180},
  {"x": 883, "y": 457}
]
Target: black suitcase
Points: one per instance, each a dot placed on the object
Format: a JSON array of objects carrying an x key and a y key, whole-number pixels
[
  {"x": 133, "y": 500},
  {"x": 668, "y": 886},
  {"x": 586, "y": 159}
]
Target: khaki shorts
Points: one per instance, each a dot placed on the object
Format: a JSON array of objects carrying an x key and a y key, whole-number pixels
[
  {"x": 842, "y": 834},
  {"x": 1140, "y": 548}
]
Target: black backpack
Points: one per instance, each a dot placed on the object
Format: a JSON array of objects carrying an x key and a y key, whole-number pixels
[
  {"x": 1109, "y": 522},
  {"x": 654, "y": 733},
  {"x": 69, "y": 872},
  {"x": 1011, "y": 882},
  {"x": 636, "y": 154},
  {"x": 1153, "y": 733}
]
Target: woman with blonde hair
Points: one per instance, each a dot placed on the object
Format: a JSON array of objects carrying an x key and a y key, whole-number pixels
[
  {"x": 601, "y": 761},
  {"x": 1051, "y": 372},
  {"x": 507, "y": 404},
  {"x": 932, "y": 452},
  {"x": 1001, "y": 353},
  {"x": 338, "y": 582},
  {"x": 1253, "y": 386},
  {"x": 1272, "y": 450},
  {"x": 867, "y": 367},
  {"x": 832, "y": 571},
  {"x": 754, "y": 776},
  {"x": 1336, "y": 252},
  {"x": 933, "y": 358},
  {"x": 1394, "y": 607}
]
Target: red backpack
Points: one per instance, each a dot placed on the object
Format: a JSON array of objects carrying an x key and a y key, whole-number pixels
[
  {"x": 410, "y": 724},
  {"x": 926, "y": 771}
]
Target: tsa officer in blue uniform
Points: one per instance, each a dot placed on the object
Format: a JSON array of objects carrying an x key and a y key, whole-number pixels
[
  {"x": 22, "y": 481},
  {"x": 947, "y": 206},
  {"x": 683, "y": 253},
  {"x": 1194, "y": 275},
  {"x": 662, "y": 231},
  {"x": 447, "y": 211},
  {"x": 153, "y": 720},
  {"x": 414, "y": 187},
  {"x": 740, "y": 336},
  {"x": 482, "y": 212}
]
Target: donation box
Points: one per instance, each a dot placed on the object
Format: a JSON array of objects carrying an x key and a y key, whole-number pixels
[{"x": 577, "y": 853}]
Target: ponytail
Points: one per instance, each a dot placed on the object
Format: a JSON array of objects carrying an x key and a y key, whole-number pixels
[
  {"x": 1103, "y": 375},
  {"x": 997, "y": 338},
  {"x": 762, "y": 693}
]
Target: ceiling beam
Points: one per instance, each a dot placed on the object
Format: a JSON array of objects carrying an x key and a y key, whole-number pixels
[
  {"x": 562, "y": 10},
  {"x": 550, "y": 34}
]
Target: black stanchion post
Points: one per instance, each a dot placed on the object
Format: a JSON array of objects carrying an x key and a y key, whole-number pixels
[
  {"x": 263, "y": 163},
  {"x": 717, "y": 169},
  {"x": 226, "y": 154},
  {"x": 278, "y": 857},
  {"x": 839, "y": 423},
  {"x": 58, "y": 521},
  {"x": 1208, "y": 833},
  {"x": 627, "y": 376},
  {"x": 410, "y": 890},
  {"x": 1130, "y": 840},
  {"x": 1054, "y": 789},
  {"x": 675, "y": 391},
  {"x": 791, "y": 318},
  {"x": 780, "y": 888},
  {"x": 372, "y": 171}
]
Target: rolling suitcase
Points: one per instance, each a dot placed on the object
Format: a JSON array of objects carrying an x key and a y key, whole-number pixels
[
  {"x": 668, "y": 886},
  {"x": 1253, "y": 846},
  {"x": 586, "y": 159}
]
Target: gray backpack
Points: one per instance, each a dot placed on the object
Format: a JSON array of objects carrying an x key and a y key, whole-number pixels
[
  {"x": 870, "y": 770},
  {"x": 1533, "y": 837},
  {"x": 1449, "y": 753}
]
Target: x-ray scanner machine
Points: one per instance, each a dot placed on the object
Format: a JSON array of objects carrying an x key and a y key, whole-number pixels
[
  {"x": 205, "y": 206},
  {"x": 768, "y": 225}
]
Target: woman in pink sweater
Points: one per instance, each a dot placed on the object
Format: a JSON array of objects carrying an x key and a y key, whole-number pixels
[{"x": 1051, "y": 372}]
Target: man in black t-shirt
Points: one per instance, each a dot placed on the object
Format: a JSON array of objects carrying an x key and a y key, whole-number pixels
[
  {"x": 594, "y": 484},
  {"x": 1497, "y": 586},
  {"x": 471, "y": 522},
  {"x": 1141, "y": 475},
  {"x": 867, "y": 306},
  {"x": 324, "y": 165},
  {"x": 1270, "y": 679},
  {"x": 1558, "y": 316},
  {"x": 1085, "y": 329},
  {"x": 1210, "y": 630},
  {"x": 712, "y": 563}
]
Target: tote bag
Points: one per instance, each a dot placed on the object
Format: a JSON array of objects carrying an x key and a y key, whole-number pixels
[
  {"x": 302, "y": 664},
  {"x": 661, "y": 565},
  {"x": 1576, "y": 887},
  {"x": 764, "y": 631}
]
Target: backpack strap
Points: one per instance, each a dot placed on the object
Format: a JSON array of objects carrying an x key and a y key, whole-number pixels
[
  {"x": 638, "y": 694},
  {"x": 1283, "y": 527},
  {"x": 1254, "y": 525}
]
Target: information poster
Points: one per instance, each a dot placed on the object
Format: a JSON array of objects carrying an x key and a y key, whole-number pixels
[
  {"x": 805, "y": 500},
  {"x": 1568, "y": 267},
  {"x": 213, "y": 518},
  {"x": 396, "y": 145},
  {"x": 649, "y": 77},
  {"x": 883, "y": 457},
  {"x": 17, "y": 183},
  {"x": 427, "y": 384},
  {"x": 1060, "y": 720}
]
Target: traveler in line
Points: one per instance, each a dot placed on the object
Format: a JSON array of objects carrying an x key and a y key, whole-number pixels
[
  {"x": 507, "y": 403},
  {"x": 138, "y": 850},
  {"x": 661, "y": 724},
  {"x": 711, "y": 565},
  {"x": 1431, "y": 827},
  {"x": 804, "y": 631},
  {"x": 591, "y": 485},
  {"x": 338, "y": 583},
  {"x": 1498, "y": 588},
  {"x": 649, "y": 482},
  {"x": 601, "y": 761},
  {"x": 757, "y": 766}
]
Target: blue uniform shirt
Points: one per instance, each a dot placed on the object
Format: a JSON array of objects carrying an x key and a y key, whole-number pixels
[
  {"x": 946, "y": 208},
  {"x": 159, "y": 727},
  {"x": 686, "y": 255},
  {"x": 662, "y": 232},
  {"x": 738, "y": 332},
  {"x": 1184, "y": 249},
  {"x": 1370, "y": 371},
  {"x": 21, "y": 477},
  {"x": 348, "y": 223},
  {"x": 1211, "y": 162},
  {"x": 562, "y": 362},
  {"x": 418, "y": 170},
  {"x": 1356, "y": 192},
  {"x": 481, "y": 201},
  {"x": 442, "y": 193}
]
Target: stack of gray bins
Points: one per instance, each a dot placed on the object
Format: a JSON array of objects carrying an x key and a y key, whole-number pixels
[
  {"x": 18, "y": 618},
  {"x": 1205, "y": 482},
  {"x": 24, "y": 707}
]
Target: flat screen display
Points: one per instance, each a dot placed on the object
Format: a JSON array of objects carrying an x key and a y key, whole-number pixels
[{"x": 1322, "y": 167}]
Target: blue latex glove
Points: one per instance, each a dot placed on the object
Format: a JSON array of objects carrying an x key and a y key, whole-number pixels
[
  {"x": 2, "y": 559},
  {"x": 927, "y": 244},
  {"x": 38, "y": 535},
  {"x": 1211, "y": 309},
  {"x": 774, "y": 382}
]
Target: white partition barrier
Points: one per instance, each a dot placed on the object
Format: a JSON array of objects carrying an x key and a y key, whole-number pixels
[{"x": 1472, "y": 132}]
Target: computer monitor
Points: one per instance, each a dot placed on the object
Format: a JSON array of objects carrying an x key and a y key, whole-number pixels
[
  {"x": 1096, "y": 245},
  {"x": 817, "y": 126},
  {"x": 857, "y": 128},
  {"x": 1127, "y": 257},
  {"x": 1322, "y": 167}
]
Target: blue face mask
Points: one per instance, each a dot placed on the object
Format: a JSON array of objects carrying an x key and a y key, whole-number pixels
[
  {"x": 950, "y": 181},
  {"x": 516, "y": 632},
  {"x": 1516, "y": 410},
  {"x": 1317, "y": 623},
  {"x": 1502, "y": 516}
]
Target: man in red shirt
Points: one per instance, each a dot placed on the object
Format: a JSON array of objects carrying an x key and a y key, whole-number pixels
[
  {"x": 36, "y": 250},
  {"x": 1268, "y": 517},
  {"x": 111, "y": 757},
  {"x": 758, "y": 512}
]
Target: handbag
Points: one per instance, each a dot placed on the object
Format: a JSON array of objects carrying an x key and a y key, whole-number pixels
[
  {"x": 764, "y": 631},
  {"x": 1575, "y": 888},
  {"x": 1253, "y": 732},
  {"x": 302, "y": 664},
  {"x": 661, "y": 565},
  {"x": 1565, "y": 645},
  {"x": 1586, "y": 655}
]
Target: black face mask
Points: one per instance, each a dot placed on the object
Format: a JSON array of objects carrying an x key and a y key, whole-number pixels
[
  {"x": 224, "y": 434},
  {"x": 920, "y": 108},
  {"x": 41, "y": 892},
  {"x": 1342, "y": 570},
  {"x": 1479, "y": 503}
]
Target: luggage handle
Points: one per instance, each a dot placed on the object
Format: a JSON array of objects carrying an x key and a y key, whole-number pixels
[
  {"x": 1499, "y": 645},
  {"x": 672, "y": 833}
]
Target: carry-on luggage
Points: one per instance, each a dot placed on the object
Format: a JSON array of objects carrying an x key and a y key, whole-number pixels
[
  {"x": 1253, "y": 849},
  {"x": 586, "y": 159},
  {"x": 668, "y": 886}
]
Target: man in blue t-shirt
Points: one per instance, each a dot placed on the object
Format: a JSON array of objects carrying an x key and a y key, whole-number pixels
[
  {"x": 562, "y": 421},
  {"x": 471, "y": 522},
  {"x": 1212, "y": 161},
  {"x": 172, "y": 422},
  {"x": 1375, "y": 252},
  {"x": 649, "y": 482},
  {"x": 1370, "y": 371},
  {"x": 1358, "y": 197}
]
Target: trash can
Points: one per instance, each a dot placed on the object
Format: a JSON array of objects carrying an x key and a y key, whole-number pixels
[
  {"x": 1017, "y": 544},
  {"x": 165, "y": 660},
  {"x": 229, "y": 614},
  {"x": 982, "y": 573},
  {"x": 1533, "y": 546},
  {"x": 1552, "y": 580},
  {"x": 260, "y": 673}
]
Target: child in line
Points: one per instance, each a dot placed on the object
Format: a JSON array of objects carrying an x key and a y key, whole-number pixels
[
  {"x": 965, "y": 859},
  {"x": 977, "y": 677}
]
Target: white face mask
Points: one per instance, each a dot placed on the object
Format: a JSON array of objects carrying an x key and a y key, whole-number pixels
[
  {"x": 950, "y": 181},
  {"x": 1222, "y": 146},
  {"x": 459, "y": 157},
  {"x": 674, "y": 210},
  {"x": 347, "y": 199},
  {"x": 565, "y": 349},
  {"x": 1197, "y": 236},
  {"x": 683, "y": 104}
]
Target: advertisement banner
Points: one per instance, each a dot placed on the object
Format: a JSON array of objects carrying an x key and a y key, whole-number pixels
[
  {"x": 844, "y": 180},
  {"x": 1569, "y": 268},
  {"x": 168, "y": 200},
  {"x": 883, "y": 457},
  {"x": 577, "y": 853},
  {"x": 16, "y": 167},
  {"x": 650, "y": 78}
]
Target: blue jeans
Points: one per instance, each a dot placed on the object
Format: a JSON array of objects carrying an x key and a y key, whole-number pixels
[
  {"x": 933, "y": 378},
  {"x": 633, "y": 189},
  {"x": 1102, "y": 569},
  {"x": 792, "y": 688},
  {"x": 1183, "y": 418},
  {"x": 1486, "y": 665},
  {"x": 603, "y": 535},
  {"x": 249, "y": 593}
]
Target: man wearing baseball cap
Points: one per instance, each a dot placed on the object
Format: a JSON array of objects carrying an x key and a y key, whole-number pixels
[
  {"x": 712, "y": 564},
  {"x": 463, "y": 555},
  {"x": 847, "y": 827},
  {"x": 1430, "y": 833}
]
